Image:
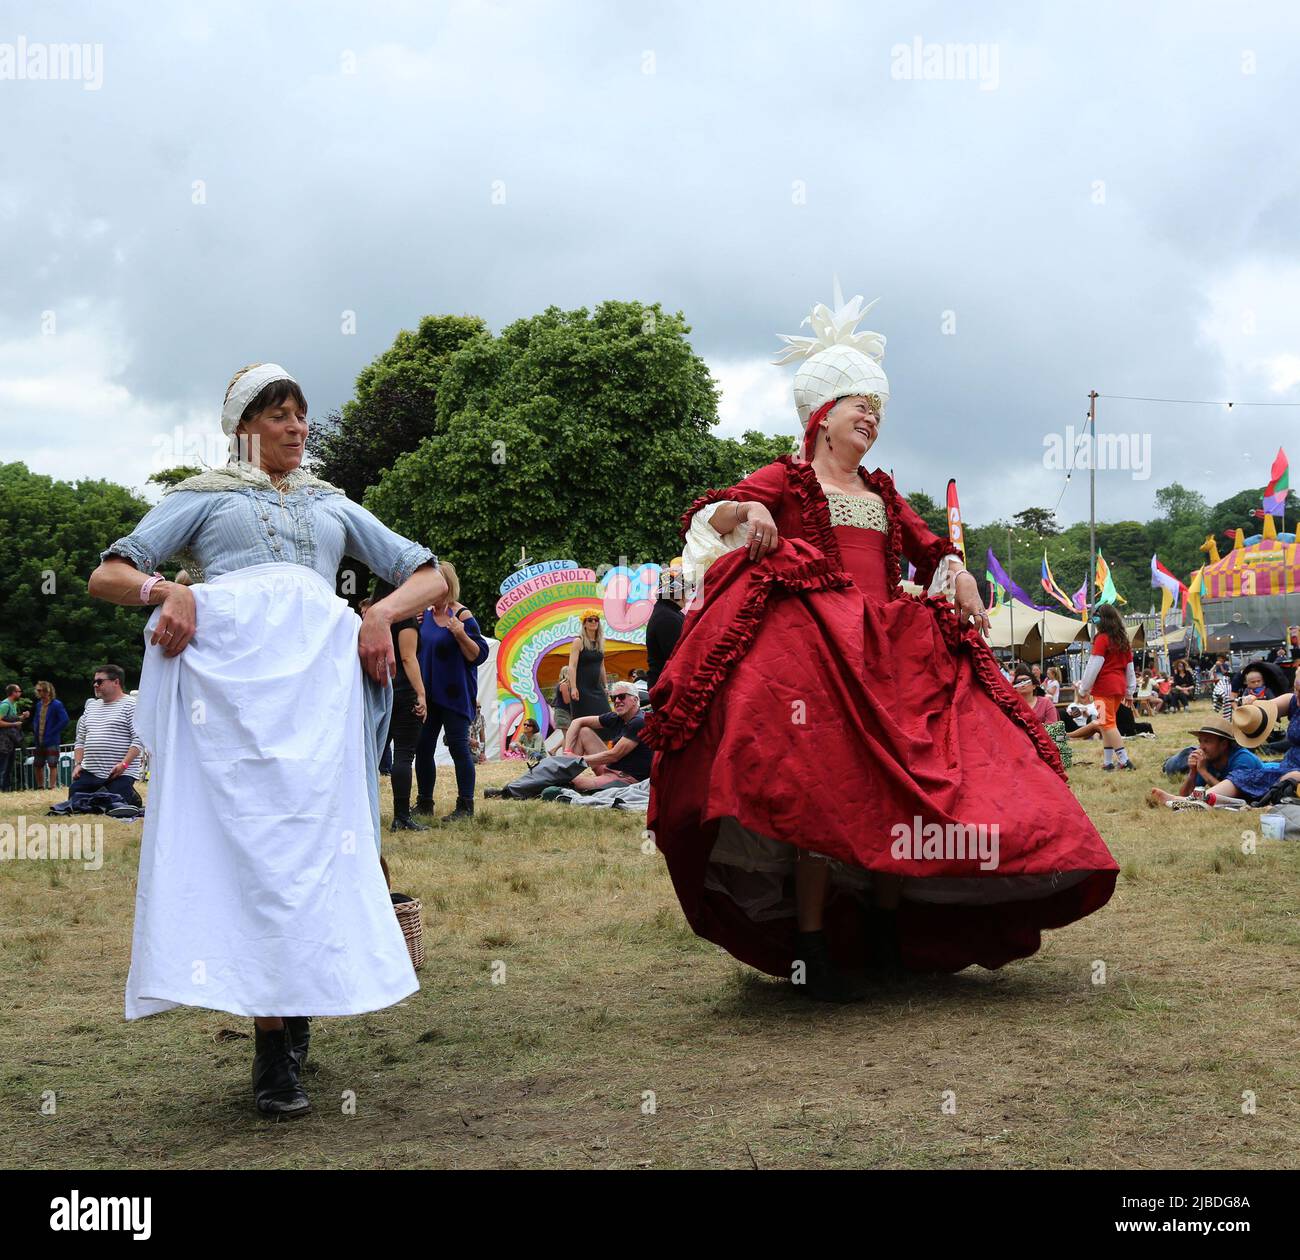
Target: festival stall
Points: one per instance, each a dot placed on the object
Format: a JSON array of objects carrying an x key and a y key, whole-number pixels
[{"x": 540, "y": 614}]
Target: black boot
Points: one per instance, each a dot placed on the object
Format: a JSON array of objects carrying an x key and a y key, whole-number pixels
[
  {"x": 885, "y": 960},
  {"x": 276, "y": 1087},
  {"x": 464, "y": 809},
  {"x": 423, "y": 808},
  {"x": 299, "y": 1029},
  {"x": 404, "y": 822},
  {"x": 821, "y": 979}
]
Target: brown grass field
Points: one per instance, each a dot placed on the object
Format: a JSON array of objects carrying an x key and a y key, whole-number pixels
[{"x": 608, "y": 995}]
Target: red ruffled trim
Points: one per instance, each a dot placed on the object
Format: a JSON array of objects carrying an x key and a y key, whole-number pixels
[
  {"x": 670, "y": 728},
  {"x": 813, "y": 508},
  {"x": 990, "y": 678}
]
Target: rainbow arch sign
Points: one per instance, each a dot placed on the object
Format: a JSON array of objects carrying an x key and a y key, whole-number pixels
[{"x": 541, "y": 606}]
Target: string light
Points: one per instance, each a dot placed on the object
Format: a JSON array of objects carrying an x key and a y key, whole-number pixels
[{"x": 1198, "y": 402}]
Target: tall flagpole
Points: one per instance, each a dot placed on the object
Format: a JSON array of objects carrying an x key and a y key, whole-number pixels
[
  {"x": 1011, "y": 600},
  {"x": 1092, "y": 500}
]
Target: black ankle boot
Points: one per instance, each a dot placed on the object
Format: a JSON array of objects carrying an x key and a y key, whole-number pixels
[
  {"x": 464, "y": 809},
  {"x": 404, "y": 822},
  {"x": 884, "y": 958},
  {"x": 822, "y": 980},
  {"x": 423, "y": 808},
  {"x": 299, "y": 1030},
  {"x": 276, "y": 1087}
]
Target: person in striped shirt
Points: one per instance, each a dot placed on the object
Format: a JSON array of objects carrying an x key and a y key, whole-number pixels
[{"x": 108, "y": 748}]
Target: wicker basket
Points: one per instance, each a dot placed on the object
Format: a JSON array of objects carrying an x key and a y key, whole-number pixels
[{"x": 408, "y": 917}]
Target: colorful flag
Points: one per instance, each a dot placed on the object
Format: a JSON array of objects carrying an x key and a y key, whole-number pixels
[
  {"x": 1170, "y": 589},
  {"x": 1279, "y": 481},
  {"x": 1109, "y": 595},
  {"x": 1004, "y": 579},
  {"x": 955, "y": 534},
  {"x": 997, "y": 595},
  {"x": 1050, "y": 586},
  {"x": 1080, "y": 597},
  {"x": 1161, "y": 577},
  {"x": 1192, "y": 603}
]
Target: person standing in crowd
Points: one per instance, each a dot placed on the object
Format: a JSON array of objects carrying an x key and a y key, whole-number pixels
[
  {"x": 48, "y": 722},
  {"x": 11, "y": 734},
  {"x": 666, "y": 619},
  {"x": 451, "y": 650},
  {"x": 263, "y": 700},
  {"x": 1052, "y": 684},
  {"x": 108, "y": 744},
  {"x": 561, "y": 713},
  {"x": 409, "y": 711},
  {"x": 588, "y": 685},
  {"x": 1107, "y": 679}
]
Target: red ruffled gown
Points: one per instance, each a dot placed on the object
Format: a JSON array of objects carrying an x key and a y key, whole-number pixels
[{"x": 811, "y": 703}]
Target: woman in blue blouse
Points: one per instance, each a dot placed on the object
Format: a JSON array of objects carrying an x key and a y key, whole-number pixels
[
  {"x": 262, "y": 701},
  {"x": 451, "y": 650},
  {"x": 49, "y": 719}
]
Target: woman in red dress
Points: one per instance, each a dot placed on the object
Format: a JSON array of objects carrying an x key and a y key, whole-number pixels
[{"x": 843, "y": 777}]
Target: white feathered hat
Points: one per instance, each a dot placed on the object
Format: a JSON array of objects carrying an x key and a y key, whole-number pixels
[{"x": 837, "y": 361}]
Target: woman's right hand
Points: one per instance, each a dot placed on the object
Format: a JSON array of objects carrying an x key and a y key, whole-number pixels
[
  {"x": 176, "y": 621},
  {"x": 762, "y": 535}
]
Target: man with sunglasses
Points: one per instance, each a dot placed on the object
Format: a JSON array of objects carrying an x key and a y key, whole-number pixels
[
  {"x": 108, "y": 748},
  {"x": 628, "y": 761}
]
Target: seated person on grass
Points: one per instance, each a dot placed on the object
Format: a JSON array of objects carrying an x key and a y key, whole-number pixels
[
  {"x": 628, "y": 761},
  {"x": 1213, "y": 763}
]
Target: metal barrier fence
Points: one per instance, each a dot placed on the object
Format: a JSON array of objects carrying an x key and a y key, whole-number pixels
[{"x": 22, "y": 773}]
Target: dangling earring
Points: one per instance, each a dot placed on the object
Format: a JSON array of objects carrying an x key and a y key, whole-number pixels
[{"x": 826, "y": 429}]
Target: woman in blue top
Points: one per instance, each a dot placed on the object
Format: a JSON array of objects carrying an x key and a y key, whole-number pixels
[
  {"x": 262, "y": 701},
  {"x": 48, "y": 721},
  {"x": 451, "y": 650}
]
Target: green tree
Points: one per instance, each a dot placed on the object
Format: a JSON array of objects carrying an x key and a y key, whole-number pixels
[
  {"x": 1176, "y": 533},
  {"x": 396, "y": 405},
  {"x": 173, "y": 476},
  {"x": 574, "y": 434},
  {"x": 932, "y": 513},
  {"x": 1039, "y": 521},
  {"x": 1235, "y": 513},
  {"x": 52, "y": 628}
]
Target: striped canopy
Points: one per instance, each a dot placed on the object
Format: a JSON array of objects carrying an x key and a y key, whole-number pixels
[{"x": 1264, "y": 568}]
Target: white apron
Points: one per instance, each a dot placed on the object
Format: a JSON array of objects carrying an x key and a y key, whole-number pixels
[{"x": 260, "y": 891}]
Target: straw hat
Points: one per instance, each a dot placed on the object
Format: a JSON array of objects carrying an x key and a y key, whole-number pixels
[
  {"x": 1219, "y": 726},
  {"x": 1253, "y": 723}
]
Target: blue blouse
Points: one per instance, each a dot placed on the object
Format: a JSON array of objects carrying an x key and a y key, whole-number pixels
[
  {"x": 450, "y": 680},
  {"x": 54, "y": 724},
  {"x": 232, "y": 529}
]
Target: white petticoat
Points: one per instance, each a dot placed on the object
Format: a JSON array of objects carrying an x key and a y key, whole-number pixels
[{"x": 260, "y": 891}]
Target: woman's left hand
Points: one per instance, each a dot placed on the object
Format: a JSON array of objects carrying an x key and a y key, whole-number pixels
[
  {"x": 970, "y": 608},
  {"x": 375, "y": 647}
]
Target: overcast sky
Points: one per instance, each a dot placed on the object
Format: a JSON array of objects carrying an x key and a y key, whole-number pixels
[{"x": 1110, "y": 201}]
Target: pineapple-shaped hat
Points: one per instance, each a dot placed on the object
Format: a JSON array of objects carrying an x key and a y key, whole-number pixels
[{"x": 837, "y": 361}]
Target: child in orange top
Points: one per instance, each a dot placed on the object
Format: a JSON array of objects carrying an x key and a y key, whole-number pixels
[{"x": 1108, "y": 678}]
